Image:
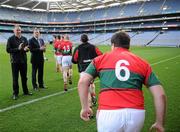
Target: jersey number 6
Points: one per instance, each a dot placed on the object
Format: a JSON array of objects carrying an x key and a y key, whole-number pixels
[{"x": 119, "y": 69}]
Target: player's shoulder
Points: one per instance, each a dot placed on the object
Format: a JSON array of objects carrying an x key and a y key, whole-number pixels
[
  {"x": 89, "y": 46},
  {"x": 103, "y": 56},
  {"x": 67, "y": 42},
  {"x": 63, "y": 42},
  {"x": 139, "y": 59},
  {"x": 92, "y": 45}
]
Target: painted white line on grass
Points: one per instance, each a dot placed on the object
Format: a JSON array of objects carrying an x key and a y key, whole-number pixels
[
  {"x": 38, "y": 99},
  {"x": 35, "y": 100},
  {"x": 62, "y": 92},
  {"x": 165, "y": 60}
]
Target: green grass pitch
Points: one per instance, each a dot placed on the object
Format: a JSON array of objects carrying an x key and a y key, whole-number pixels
[{"x": 61, "y": 113}]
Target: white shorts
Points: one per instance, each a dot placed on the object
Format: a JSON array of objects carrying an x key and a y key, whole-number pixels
[
  {"x": 66, "y": 61},
  {"x": 122, "y": 120},
  {"x": 59, "y": 59}
]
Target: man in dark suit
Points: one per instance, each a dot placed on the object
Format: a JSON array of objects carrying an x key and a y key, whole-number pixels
[
  {"x": 37, "y": 47},
  {"x": 17, "y": 46}
]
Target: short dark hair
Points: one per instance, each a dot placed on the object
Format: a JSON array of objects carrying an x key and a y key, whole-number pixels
[
  {"x": 59, "y": 36},
  {"x": 54, "y": 36},
  {"x": 121, "y": 39},
  {"x": 84, "y": 38},
  {"x": 35, "y": 30}
]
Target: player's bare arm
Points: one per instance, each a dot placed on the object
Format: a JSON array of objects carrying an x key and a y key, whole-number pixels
[
  {"x": 83, "y": 86},
  {"x": 160, "y": 107}
]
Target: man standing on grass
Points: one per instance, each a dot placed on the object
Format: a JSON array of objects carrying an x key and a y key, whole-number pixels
[
  {"x": 37, "y": 48},
  {"x": 121, "y": 101},
  {"x": 17, "y": 46},
  {"x": 82, "y": 56}
]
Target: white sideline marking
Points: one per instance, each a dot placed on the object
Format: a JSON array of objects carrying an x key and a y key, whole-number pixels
[
  {"x": 165, "y": 60},
  {"x": 62, "y": 92},
  {"x": 35, "y": 100}
]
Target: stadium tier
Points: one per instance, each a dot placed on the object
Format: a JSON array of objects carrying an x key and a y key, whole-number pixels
[
  {"x": 125, "y": 10},
  {"x": 154, "y": 22}
]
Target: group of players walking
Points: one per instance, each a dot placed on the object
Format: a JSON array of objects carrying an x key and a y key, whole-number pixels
[
  {"x": 63, "y": 55},
  {"x": 82, "y": 56}
]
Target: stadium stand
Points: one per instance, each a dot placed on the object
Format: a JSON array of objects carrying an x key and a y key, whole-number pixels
[
  {"x": 167, "y": 38},
  {"x": 152, "y": 23},
  {"x": 128, "y": 10}
]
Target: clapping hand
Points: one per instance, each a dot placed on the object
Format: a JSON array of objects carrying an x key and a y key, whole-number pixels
[
  {"x": 20, "y": 46},
  {"x": 26, "y": 48},
  {"x": 42, "y": 48}
]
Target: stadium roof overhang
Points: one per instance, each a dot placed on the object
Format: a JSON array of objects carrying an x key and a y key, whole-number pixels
[{"x": 62, "y": 5}]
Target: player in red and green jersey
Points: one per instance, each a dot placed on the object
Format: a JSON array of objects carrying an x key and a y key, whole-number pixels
[
  {"x": 66, "y": 50},
  {"x": 55, "y": 52},
  {"x": 58, "y": 54},
  {"x": 121, "y": 101}
]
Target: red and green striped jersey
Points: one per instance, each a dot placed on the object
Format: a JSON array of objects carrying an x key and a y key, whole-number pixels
[
  {"x": 57, "y": 44},
  {"x": 66, "y": 47},
  {"x": 122, "y": 75}
]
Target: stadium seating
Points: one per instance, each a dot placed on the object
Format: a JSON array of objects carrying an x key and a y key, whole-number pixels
[
  {"x": 101, "y": 34},
  {"x": 142, "y": 38},
  {"x": 20, "y": 15},
  {"x": 4, "y": 37},
  {"x": 171, "y": 6},
  {"x": 168, "y": 38},
  {"x": 131, "y": 10},
  {"x": 127, "y": 10},
  {"x": 153, "y": 7}
]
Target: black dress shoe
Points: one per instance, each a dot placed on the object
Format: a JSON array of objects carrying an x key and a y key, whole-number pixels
[
  {"x": 28, "y": 94},
  {"x": 15, "y": 97}
]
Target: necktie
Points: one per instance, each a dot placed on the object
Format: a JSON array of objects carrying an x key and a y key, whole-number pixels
[{"x": 39, "y": 42}]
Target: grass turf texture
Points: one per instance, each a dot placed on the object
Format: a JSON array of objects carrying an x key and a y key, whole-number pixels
[{"x": 61, "y": 113}]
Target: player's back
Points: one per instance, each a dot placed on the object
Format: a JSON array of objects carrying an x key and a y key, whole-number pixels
[
  {"x": 66, "y": 47},
  {"x": 86, "y": 52},
  {"x": 122, "y": 57},
  {"x": 122, "y": 75}
]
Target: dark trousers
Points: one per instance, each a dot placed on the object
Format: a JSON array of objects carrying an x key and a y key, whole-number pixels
[
  {"x": 22, "y": 68},
  {"x": 40, "y": 68}
]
